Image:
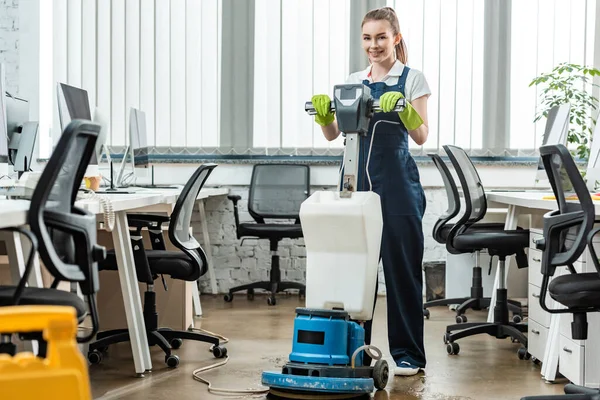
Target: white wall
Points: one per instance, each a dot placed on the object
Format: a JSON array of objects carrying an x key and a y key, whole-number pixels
[{"x": 9, "y": 42}]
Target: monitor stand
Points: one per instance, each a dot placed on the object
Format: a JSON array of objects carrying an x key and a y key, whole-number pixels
[{"x": 112, "y": 189}]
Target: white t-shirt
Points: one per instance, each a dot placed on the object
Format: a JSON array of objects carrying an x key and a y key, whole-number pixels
[{"x": 416, "y": 85}]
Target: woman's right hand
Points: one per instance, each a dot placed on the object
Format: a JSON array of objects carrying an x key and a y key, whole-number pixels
[{"x": 322, "y": 104}]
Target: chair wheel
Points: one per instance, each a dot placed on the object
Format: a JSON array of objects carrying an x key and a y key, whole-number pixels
[
  {"x": 461, "y": 319},
  {"x": 517, "y": 318},
  {"x": 523, "y": 354},
  {"x": 219, "y": 351},
  {"x": 172, "y": 361},
  {"x": 94, "y": 357},
  {"x": 271, "y": 301},
  {"x": 381, "y": 373},
  {"x": 176, "y": 343},
  {"x": 250, "y": 294},
  {"x": 452, "y": 348},
  {"x": 228, "y": 297},
  {"x": 426, "y": 313},
  {"x": 446, "y": 338}
]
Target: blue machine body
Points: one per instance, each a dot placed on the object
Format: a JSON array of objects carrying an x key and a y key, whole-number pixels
[
  {"x": 326, "y": 338},
  {"x": 324, "y": 342}
]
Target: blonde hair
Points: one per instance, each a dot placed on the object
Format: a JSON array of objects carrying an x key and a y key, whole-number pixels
[{"x": 388, "y": 14}]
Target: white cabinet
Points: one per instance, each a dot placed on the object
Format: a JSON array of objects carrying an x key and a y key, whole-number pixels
[
  {"x": 539, "y": 320},
  {"x": 579, "y": 360}
]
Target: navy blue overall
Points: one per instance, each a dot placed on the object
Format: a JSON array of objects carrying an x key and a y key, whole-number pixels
[{"x": 395, "y": 178}]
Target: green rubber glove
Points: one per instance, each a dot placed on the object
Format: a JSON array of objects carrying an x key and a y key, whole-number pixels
[
  {"x": 409, "y": 116},
  {"x": 322, "y": 104}
]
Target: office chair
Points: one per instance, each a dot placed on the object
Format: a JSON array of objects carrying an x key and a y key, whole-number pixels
[
  {"x": 579, "y": 292},
  {"x": 188, "y": 264},
  {"x": 501, "y": 243},
  {"x": 64, "y": 235},
  {"x": 440, "y": 233},
  {"x": 276, "y": 192}
]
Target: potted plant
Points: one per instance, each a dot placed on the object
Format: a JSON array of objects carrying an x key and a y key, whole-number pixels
[{"x": 571, "y": 83}]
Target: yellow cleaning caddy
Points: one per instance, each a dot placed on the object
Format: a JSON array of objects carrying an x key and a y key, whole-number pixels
[{"x": 63, "y": 373}]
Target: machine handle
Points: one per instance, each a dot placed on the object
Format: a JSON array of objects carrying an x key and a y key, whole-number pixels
[{"x": 400, "y": 104}]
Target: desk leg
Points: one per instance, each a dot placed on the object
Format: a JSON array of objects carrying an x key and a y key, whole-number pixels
[
  {"x": 196, "y": 300},
  {"x": 207, "y": 249},
  {"x": 17, "y": 250},
  {"x": 510, "y": 224},
  {"x": 131, "y": 294}
]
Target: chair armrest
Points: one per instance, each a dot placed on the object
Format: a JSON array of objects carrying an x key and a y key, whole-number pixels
[
  {"x": 146, "y": 220},
  {"x": 590, "y": 243},
  {"x": 153, "y": 223},
  {"x": 235, "y": 198}
]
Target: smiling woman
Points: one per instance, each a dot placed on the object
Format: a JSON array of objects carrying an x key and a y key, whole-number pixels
[{"x": 395, "y": 178}]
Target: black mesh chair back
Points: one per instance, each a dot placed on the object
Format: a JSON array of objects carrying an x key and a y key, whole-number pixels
[
  {"x": 181, "y": 217},
  {"x": 452, "y": 195},
  {"x": 67, "y": 234},
  {"x": 473, "y": 191},
  {"x": 565, "y": 229},
  {"x": 277, "y": 191}
]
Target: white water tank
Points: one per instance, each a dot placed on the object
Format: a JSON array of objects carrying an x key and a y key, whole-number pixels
[{"x": 343, "y": 239}]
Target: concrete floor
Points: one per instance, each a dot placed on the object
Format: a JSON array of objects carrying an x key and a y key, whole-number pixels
[{"x": 260, "y": 339}]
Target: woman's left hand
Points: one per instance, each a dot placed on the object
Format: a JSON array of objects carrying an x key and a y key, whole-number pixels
[
  {"x": 388, "y": 100},
  {"x": 409, "y": 116}
]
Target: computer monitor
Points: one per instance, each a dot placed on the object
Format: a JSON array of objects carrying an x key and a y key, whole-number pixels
[
  {"x": 592, "y": 173},
  {"x": 74, "y": 103},
  {"x": 22, "y": 133},
  {"x": 138, "y": 138},
  {"x": 556, "y": 132},
  {"x": 102, "y": 119}
]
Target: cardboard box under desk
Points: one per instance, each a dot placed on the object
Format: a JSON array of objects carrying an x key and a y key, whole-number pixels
[{"x": 174, "y": 306}]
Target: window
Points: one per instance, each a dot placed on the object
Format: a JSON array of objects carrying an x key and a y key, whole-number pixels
[
  {"x": 544, "y": 34},
  {"x": 160, "y": 56},
  {"x": 301, "y": 49}
]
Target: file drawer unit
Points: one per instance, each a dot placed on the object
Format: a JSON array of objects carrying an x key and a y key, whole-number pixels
[{"x": 579, "y": 360}]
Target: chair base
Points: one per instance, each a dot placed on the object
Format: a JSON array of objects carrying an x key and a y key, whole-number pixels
[
  {"x": 572, "y": 392},
  {"x": 501, "y": 328},
  {"x": 272, "y": 287},
  {"x": 165, "y": 338}
]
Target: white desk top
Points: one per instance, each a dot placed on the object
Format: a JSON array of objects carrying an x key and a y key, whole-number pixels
[
  {"x": 532, "y": 200},
  {"x": 13, "y": 213},
  {"x": 121, "y": 202}
]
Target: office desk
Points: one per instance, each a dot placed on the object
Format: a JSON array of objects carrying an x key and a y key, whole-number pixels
[
  {"x": 13, "y": 213},
  {"x": 578, "y": 361},
  {"x": 121, "y": 204}
]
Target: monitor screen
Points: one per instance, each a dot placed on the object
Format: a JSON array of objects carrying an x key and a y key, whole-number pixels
[
  {"x": 17, "y": 114},
  {"x": 138, "y": 138},
  {"x": 73, "y": 103},
  {"x": 593, "y": 168},
  {"x": 555, "y": 132}
]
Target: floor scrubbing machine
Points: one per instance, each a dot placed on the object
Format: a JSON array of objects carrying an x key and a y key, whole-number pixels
[{"x": 342, "y": 235}]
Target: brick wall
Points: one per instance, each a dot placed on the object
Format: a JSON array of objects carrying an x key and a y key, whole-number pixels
[
  {"x": 9, "y": 43},
  {"x": 237, "y": 264}
]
